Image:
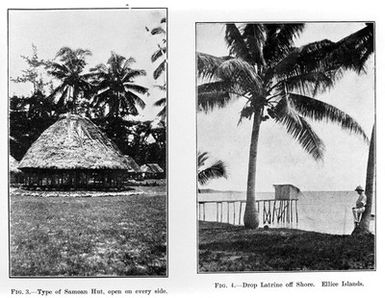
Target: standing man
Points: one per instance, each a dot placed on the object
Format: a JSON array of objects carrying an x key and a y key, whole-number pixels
[{"x": 360, "y": 205}]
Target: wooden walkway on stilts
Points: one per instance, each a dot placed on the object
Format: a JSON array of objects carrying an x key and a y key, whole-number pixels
[{"x": 274, "y": 211}]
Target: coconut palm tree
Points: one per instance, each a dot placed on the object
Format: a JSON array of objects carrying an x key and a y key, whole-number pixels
[
  {"x": 217, "y": 169},
  {"x": 74, "y": 83},
  {"x": 278, "y": 81},
  {"x": 115, "y": 86}
]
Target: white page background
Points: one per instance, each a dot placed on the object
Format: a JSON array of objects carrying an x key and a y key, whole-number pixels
[{"x": 183, "y": 281}]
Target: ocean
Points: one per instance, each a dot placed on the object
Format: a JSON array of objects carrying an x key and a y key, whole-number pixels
[{"x": 319, "y": 211}]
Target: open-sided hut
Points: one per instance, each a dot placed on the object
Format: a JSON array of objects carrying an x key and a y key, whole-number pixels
[
  {"x": 15, "y": 175},
  {"x": 151, "y": 170},
  {"x": 74, "y": 154}
]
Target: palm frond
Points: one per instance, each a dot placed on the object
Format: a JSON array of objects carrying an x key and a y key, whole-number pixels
[
  {"x": 299, "y": 129},
  {"x": 213, "y": 95},
  {"x": 58, "y": 90},
  {"x": 162, "y": 113},
  {"x": 101, "y": 67},
  {"x": 136, "y": 99},
  {"x": 236, "y": 43},
  {"x": 82, "y": 52},
  {"x": 128, "y": 62},
  {"x": 128, "y": 104},
  {"x": 255, "y": 38},
  {"x": 305, "y": 59},
  {"x": 69, "y": 56},
  {"x": 63, "y": 51},
  {"x": 161, "y": 87},
  {"x": 241, "y": 73},
  {"x": 160, "y": 102},
  {"x": 202, "y": 157},
  {"x": 137, "y": 88},
  {"x": 207, "y": 65},
  {"x": 246, "y": 113},
  {"x": 207, "y": 173},
  {"x": 131, "y": 74},
  {"x": 353, "y": 51},
  {"x": 321, "y": 111},
  {"x": 115, "y": 62},
  {"x": 159, "y": 70},
  {"x": 61, "y": 99},
  {"x": 280, "y": 39},
  {"x": 215, "y": 171},
  {"x": 158, "y": 30},
  {"x": 312, "y": 82},
  {"x": 158, "y": 53}
]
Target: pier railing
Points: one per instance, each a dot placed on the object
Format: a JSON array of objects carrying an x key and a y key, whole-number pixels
[{"x": 272, "y": 211}]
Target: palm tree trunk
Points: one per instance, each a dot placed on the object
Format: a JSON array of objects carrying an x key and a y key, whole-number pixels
[
  {"x": 250, "y": 218},
  {"x": 363, "y": 227}
]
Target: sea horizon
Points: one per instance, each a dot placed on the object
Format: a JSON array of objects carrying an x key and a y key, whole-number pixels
[
  {"x": 326, "y": 211},
  {"x": 203, "y": 190}
]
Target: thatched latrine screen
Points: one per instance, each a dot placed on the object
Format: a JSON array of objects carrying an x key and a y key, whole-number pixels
[{"x": 286, "y": 192}]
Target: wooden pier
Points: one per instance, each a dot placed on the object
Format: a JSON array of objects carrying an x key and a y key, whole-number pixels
[
  {"x": 283, "y": 209},
  {"x": 231, "y": 211}
]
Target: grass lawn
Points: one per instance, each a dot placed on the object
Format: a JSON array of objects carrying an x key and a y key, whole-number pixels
[
  {"x": 88, "y": 236},
  {"x": 224, "y": 247}
]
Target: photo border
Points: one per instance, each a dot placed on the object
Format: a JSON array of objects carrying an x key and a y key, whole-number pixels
[
  {"x": 375, "y": 149},
  {"x": 167, "y": 146}
]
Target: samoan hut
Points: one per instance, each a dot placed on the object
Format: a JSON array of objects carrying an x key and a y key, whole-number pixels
[
  {"x": 15, "y": 175},
  {"x": 74, "y": 154},
  {"x": 151, "y": 171}
]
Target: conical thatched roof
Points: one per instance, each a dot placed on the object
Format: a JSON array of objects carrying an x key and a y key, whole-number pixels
[
  {"x": 13, "y": 164},
  {"x": 74, "y": 142},
  {"x": 152, "y": 168}
]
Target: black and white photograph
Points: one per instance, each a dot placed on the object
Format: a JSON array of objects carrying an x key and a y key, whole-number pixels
[
  {"x": 87, "y": 142},
  {"x": 286, "y": 140}
]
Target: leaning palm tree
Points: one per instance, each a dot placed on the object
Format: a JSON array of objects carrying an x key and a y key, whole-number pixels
[
  {"x": 116, "y": 89},
  {"x": 69, "y": 71},
  {"x": 279, "y": 82},
  {"x": 206, "y": 173},
  {"x": 352, "y": 53}
]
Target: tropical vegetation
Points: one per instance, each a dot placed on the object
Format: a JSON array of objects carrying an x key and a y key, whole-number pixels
[
  {"x": 107, "y": 93},
  {"x": 279, "y": 82},
  {"x": 160, "y": 55},
  {"x": 115, "y": 88},
  {"x": 209, "y": 171}
]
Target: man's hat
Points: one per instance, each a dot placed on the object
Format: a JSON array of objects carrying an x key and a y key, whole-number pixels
[{"x": 359, "y": 187}]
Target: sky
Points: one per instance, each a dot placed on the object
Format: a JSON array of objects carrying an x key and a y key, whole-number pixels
[
  {"x": 101, "y": 31},
  {"x": 280, "y": 158}
]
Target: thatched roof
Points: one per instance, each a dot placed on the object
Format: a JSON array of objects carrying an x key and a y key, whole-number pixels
[
  {"x": 74, "y": 142},
  {"x": 152, "y": 168},
  {"x": 132, "y": 163},
  {"x": 13, "y": 164}
]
